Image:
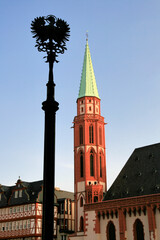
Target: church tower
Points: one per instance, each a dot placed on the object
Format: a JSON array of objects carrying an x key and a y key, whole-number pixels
[{"x": 89, "y": 144}]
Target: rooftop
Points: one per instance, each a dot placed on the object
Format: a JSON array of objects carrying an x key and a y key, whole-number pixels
[{"x": 140, "y": 175}]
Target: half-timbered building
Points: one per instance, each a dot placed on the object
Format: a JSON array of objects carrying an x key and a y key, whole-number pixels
[{"x": 21, "y": 212}]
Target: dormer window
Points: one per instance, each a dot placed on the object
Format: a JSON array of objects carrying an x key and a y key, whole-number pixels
[
  {"x": 20, "y": 193},
  {"x": 16, "y": 194}
]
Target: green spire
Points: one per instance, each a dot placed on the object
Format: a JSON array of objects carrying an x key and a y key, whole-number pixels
[{"x": 88, "y": 86}]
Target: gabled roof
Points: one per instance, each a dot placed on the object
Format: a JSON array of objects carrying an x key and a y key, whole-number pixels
[
  {"x": 32, "y": 192},
  {"x": 140, "y": 175},
  {"x": 88, "y": 86}
]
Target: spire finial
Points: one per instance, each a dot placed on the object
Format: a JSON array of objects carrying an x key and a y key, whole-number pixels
[{"x": 87, "y": 35}]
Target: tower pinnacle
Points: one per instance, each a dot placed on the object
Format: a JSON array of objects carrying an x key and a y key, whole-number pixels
[{"x": 88, "y": 86}]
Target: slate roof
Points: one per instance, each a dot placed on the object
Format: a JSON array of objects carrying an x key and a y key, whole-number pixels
[
  {"x": 32, "y": 192},
  {"x": 61, "y": 194},
  {"x": 140, "y": 175}
]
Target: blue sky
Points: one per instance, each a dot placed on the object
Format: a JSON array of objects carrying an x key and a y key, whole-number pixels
[{"x": 124, "y": 40}]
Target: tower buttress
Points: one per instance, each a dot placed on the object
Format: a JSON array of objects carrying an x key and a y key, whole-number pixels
[{"x": 89, "y": 144}]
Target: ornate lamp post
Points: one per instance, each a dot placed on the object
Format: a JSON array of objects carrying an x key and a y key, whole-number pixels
[{"x": 51, "y": 34}]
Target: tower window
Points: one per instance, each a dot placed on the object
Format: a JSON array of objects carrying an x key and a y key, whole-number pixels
[
  {"x": 91, "y": 134},
  {"x": 90, "y": 108},
  {"x": 91, "y": 164},
  {"x": 81, "y": 134},
  {"x": 100, "y": 135},
  {"x": 100, "y": 163},
  {"x": 81, "y": 202},
  {"x": 90, "y": 100},
  {"x": 81, "y": 164},
  {"x": 95, "y": 198},
  {"x": 81, "y": 224}
]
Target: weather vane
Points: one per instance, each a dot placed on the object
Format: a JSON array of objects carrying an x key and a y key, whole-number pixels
[{"x": 86, "y": 35}]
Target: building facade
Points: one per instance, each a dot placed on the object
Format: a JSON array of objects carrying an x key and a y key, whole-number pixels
[
  {"x": 130, "y": 209},
  {"x": 21, "y": 212}
]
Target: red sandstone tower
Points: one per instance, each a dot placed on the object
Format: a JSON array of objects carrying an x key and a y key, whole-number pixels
[{"x": 89, "y": 145}]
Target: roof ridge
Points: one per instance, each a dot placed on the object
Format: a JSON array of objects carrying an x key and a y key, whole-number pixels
[{"x": 150, "y": 145}]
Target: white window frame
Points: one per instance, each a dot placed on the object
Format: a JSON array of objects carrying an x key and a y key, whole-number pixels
[
  {"x": 18, "y": 209},
  {"x": 26, "y": 208},
  {"x": 21, "y": 208},
  {"x": 17, "y": 225},
  {"x": 10, "y": 226},
  {"x": 16, "y": 194},
  {"x": 20, "y": 193},
  {"x": 6, "y": 226}
]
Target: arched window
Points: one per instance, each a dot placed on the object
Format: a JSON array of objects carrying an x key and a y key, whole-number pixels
[
  {"x": 91, "y": 134},
  {"x": 80, "y": 134},
  {"x": 138, "y": 230},
  {"x": 91, "y": 163},
  {"x": 81, "y": 224},
  {"x": 95, "y": 198},
  {"x": 81, "y": 164},
  {"x": 111, "y": 233},
  {"x": 100, "y": 135},
  {"x": 100, "y": 164},
  {"x": 81, "y": 202}
]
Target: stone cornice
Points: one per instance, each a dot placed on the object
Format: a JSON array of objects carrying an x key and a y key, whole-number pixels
[{"x": 124, "y": 203}]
